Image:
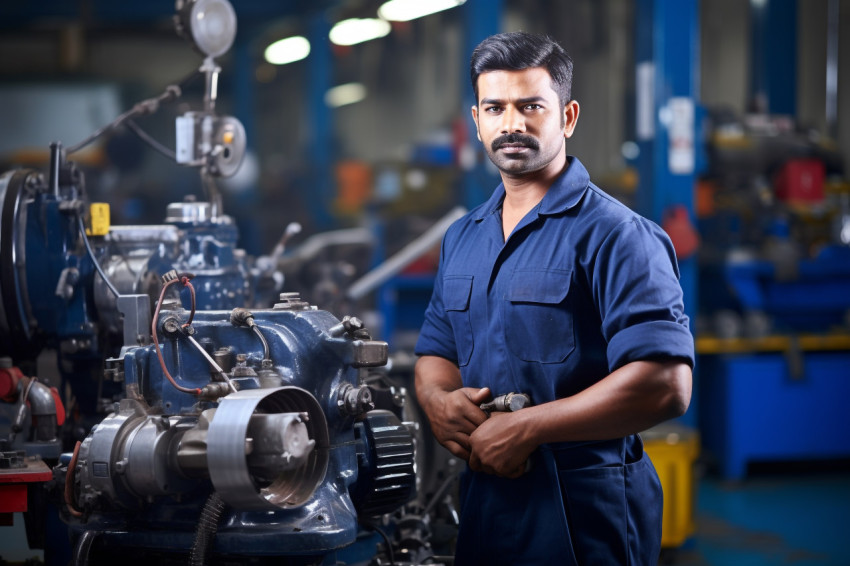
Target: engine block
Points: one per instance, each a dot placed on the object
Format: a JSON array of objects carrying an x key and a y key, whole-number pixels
[{"x": 270, "y": 425}]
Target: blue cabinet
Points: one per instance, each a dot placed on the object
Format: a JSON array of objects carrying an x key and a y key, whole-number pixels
[{"x": 766, "y": 407}]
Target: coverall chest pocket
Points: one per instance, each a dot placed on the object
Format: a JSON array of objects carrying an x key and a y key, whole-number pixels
[
  {"x": 538, "y": 316},
  {"x": 456, "y": 292}
]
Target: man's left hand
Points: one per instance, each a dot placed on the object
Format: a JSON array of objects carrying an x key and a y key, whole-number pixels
[{"x": 499, "y": 446}]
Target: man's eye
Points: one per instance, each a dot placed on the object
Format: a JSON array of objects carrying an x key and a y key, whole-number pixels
[
  {"x": 533, "y": 107},
  {"x": 493, "y": 109}
]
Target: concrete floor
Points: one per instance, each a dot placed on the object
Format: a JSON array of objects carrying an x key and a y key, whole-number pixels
[{"x": 797, "y": 517}]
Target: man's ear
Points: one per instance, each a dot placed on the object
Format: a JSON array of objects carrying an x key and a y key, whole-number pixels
[
  {"x": 571, "y": 111},
  {"x": 475, "y": 119}
]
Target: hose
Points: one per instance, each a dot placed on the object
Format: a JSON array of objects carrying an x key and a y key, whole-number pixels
[
  {"x": 207, "y": 528},
  {"x": 69, "y": 483},
  {"x": 184, "y": 280},
  {"x": 83, "y": 548},
  {"x": 259, "y": 333}
]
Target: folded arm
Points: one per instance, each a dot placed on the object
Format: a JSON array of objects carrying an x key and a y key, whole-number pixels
[
  {"x": 452, "y": 410},
  {"x": 633, "y": 398}
]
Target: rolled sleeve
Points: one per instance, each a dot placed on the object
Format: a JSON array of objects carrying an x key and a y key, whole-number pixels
[
  {"x": 639, "y": 296},
  {"x": 651, "y": 340}
]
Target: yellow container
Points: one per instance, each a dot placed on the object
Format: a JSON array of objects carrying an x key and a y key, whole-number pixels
[
  {"x": 673, "y": 450},
  {"x": 99, "y": 219}
]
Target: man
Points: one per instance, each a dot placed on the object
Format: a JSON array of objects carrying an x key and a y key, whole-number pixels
[{"x": 553, "y": 289}]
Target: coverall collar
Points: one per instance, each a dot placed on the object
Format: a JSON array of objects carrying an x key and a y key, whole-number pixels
[{"x": 565, "y": 192}]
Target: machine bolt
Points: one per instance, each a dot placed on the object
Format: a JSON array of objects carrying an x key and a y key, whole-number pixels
[
  {"x": 348, "y": 325},
  {"x": 291, "y": 301},
  {"x": 354, "y": 401},
  {"x": 171, "y": 325}
]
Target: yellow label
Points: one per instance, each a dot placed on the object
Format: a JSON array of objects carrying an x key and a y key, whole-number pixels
[{"x": 99, "y": 214}]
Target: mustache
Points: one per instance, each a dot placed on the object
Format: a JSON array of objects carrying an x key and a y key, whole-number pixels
[{"x": 514, "y": 138}]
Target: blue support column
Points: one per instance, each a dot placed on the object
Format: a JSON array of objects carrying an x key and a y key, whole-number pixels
[
  {"x": 244, "y": 90},
  {"x": 320, "y": 143},
  {"x": 667, "y": 59},
  {"x": 482, "y": 18},
  {"x": 773, "y": 60}
]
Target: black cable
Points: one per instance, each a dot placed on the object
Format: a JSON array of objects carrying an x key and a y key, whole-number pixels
[
  {"x": 82, "y": 550},
  {"x": 441, "y": 491},
  {"x": 387, "y": 543},
  {"x": 97, "y": 266},
  {"x": 145, "y": 137},
  {"x": 148, "y": 106},
  {"x": 101, "y": 131},
  {"x": 207, "y": 529}
]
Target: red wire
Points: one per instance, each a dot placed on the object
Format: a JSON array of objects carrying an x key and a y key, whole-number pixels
[
  {"x": 192, "y": 390},
  {"x": 186, "y": 283},
  {"x": 69, "y": 483}
]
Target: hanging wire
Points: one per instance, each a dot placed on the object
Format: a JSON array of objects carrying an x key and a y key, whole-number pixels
[
  {"x": 184, "y": 280},
  {"x": 82, "y": 226},
  {"x": 145, "y": 137},
  {"x": 148, "y": 106}
]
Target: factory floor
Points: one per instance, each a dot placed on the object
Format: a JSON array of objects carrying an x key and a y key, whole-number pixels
[
  {"x": 789, "y": 514},
  {"x": 785, "y": 515}
]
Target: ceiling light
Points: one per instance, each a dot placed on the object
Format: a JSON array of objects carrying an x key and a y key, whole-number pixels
[
  {"x": 287, "y": 50},
  {"x": 406, "y": 10},
  {"x": 358, "y": 30},
  {"x": 345, "y": 94}
]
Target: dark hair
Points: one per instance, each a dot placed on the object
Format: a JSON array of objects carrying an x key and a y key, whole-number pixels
[{"x": 516, "y": 51}]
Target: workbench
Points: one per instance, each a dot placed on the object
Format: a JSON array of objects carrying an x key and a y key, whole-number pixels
[{"x": 774, "y": 399}]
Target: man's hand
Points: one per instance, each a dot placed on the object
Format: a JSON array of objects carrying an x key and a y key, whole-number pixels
[
  {"x": 500, "y": 447},
  {"x": 455, "y": 415},
  {"x": 452, "y": 410}
]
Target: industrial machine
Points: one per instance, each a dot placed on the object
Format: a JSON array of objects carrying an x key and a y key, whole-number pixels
[
  {"x": 774, "y": 295},
  {"x": 211, "y": 418}
]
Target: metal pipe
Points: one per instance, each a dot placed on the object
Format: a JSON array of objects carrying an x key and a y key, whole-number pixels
[
  {"x": 405, "y": 257},
  {"x": 212, "y": 362},
  {"x": 56, "y": 158},
  {"x": 832, "y": 69}
]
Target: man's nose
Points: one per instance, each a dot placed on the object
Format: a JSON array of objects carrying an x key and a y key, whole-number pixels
[{"x": 512, "y": 121}]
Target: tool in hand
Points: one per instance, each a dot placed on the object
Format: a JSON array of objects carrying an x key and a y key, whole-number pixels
[{"x": 507, "y": 403}]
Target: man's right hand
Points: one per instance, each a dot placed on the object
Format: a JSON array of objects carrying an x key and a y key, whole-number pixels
[
  {"x": 455, "y": 415},
  {"x": 452, "y": 410}
]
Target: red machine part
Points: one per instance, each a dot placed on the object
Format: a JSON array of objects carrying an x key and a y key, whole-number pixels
[
  {"x": 800, "y": 181},
  {"x": 9, "y": 378},
  {"x": 14, "y": 482}
]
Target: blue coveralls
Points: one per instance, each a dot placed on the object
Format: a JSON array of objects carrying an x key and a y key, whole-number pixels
[{"x": 582, "y": 286}]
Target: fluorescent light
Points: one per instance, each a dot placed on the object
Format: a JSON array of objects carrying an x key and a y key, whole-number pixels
[
  {"x": 345, "y": 94},
  {"x": 287, "y": 50},
  {"x": 406, "y": 10},
  {"x": 358, "y": 30}
]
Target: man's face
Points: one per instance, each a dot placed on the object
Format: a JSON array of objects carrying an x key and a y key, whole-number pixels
[{"x": 520, "y": 120}]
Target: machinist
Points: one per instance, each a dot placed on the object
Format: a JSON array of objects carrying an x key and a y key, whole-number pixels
[{"x": 555, "y": 290}]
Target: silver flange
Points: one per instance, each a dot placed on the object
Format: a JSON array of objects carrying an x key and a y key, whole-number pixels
[{"x": 230, "y": 442}]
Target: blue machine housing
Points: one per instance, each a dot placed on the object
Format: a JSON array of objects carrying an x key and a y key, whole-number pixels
[
  {"x": 164, "y": 471},
  {"x": 315, "y": 364}
]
